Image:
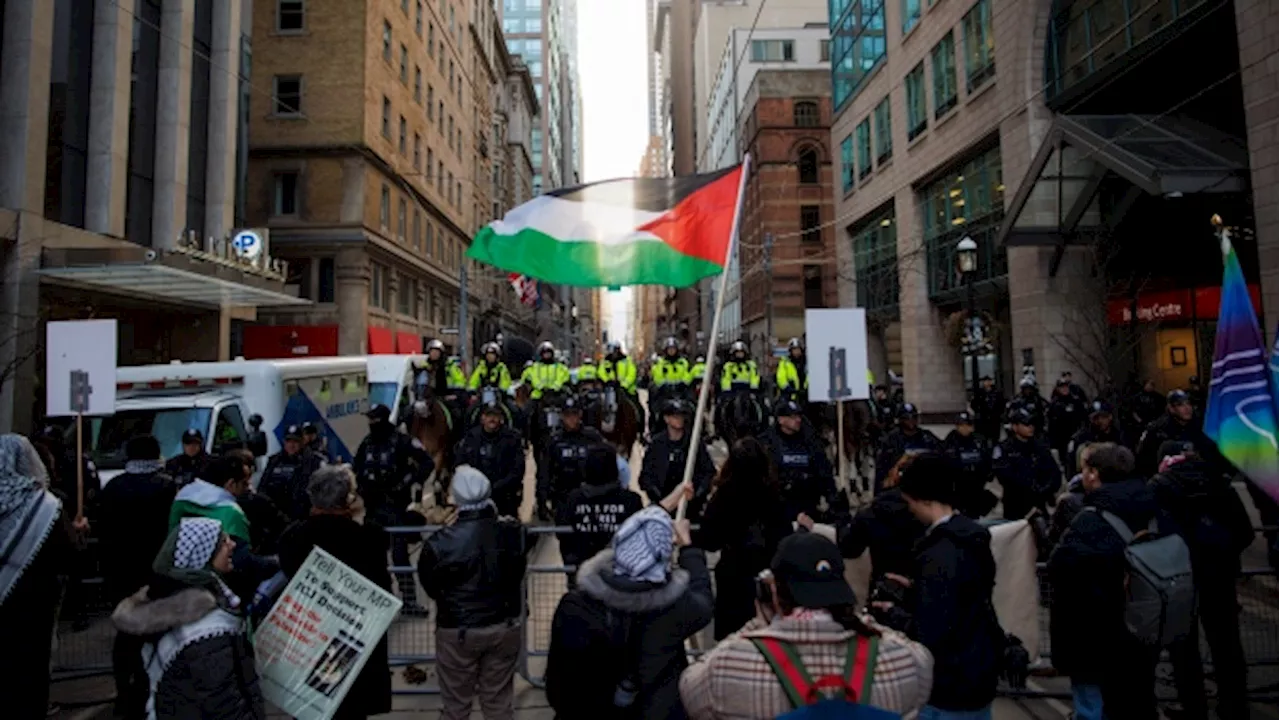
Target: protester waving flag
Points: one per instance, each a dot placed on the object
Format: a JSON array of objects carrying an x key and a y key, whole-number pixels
[
  {"x": 1241, "y": 417},
  {"x": 637, "y": 231}
]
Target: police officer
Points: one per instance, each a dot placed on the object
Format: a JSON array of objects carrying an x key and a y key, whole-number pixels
[
  {"x": 971, "y": 452},
  {"x": 1029, "y": 399},
  {"x": 1102, "y": 428},
  {"x": 669, "y": 376},
  {"x": 804, "y": 472},
  {"x": 560, "y": 469},
  {"x": 738, "y": 374},
  {"x": 587, "y": 373},
  {"x": 617, "y": 367},
  {"x": 387, "y": 465},
  {"x": 547, "y": 374},
  {"x": 498, "y": 452},
  {"x": 663, "y": 466},
  {"x": 314, "y": 442},
  {"x": 988, "y": 409},
  {"x": 697, "y": 370},
  {"x": 1179, "y": 424},
  {"x": 1025, "y": 468},
  {"x": 792, "y": 377},
  {"x": 907, "y": 438},
  {"x": 491, "y": 371},
  {"x": 190, "y": 464},
  {"x": 284, "y": 480},
  {"x": 883, "y": 414},
  {"x": 596, "y": 508},
  {"x": 1066, "y": 416}
]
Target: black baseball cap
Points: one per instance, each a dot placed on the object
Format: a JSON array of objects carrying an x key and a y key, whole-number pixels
[
  {"x": 908, "y": 410},
  {"x": 964, "y": 418},
  {"x": 787, "y": 408},
  {"x": 492, "y": 409},
  {"x": 379, "y": 412},
  {"x": 293, "y": 432},
  {"x": 571, "y": 406},
  {"x": 676, "y": 407},
  {"x": 1178, "y": 397},
  {"x": 1102, "y": 407},
  {"x": 192, "y": 435},
  {"x": 811, "y": 568},
  {"x": 309, "y": 428},
  {"x": 1019, "y": 416}
]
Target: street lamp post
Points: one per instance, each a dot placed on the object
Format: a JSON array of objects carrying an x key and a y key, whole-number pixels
[{"x": 967, "y": 260}]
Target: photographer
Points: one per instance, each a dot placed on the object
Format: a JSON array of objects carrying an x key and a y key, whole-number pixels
[
  {"x": 947, "y": 601},
  {"x": 805, "y": 609}
]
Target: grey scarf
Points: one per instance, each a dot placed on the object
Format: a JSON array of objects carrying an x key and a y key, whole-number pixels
[{"x": 28, "y": 511}]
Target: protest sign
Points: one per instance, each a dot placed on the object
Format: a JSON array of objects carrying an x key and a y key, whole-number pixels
[{"x": 319, "y": 635}]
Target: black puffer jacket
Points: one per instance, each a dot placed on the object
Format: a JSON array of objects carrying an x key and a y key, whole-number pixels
[
  {"x": 952, "y": 613},
  {"x": 1086, "y": 578},
  {"x": 212, "y": 675},
  {"x": 1208, "y": 513},
  {"x": 473, "y": 570},
  {"x": 500, "y": 456},
  {"x": 583, "y": 665},
  {"x": 663, "y": 468},
  {"x": 887, "y": 528}
]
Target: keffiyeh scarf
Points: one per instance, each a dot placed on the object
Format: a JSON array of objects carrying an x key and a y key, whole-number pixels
[
  {"x": 643, "y": 545},
  {"x": 28, "y": 511}
]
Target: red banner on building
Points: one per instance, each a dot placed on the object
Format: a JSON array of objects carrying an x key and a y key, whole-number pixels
[
  {"x": 269, "y": 342},
  {"x": 1174, "y": 305}
]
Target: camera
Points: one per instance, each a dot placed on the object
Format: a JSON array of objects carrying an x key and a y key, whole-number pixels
[
  {"x": 764, "y": 588},
  {"x": 624, "y": 695}
]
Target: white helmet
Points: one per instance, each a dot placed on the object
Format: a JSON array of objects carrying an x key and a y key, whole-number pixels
[
  {"x": 491, "y": 347},
  {"x": 794, "y": 343},
  {"x": 435, "y": 345},
  {"x": 738, "y": 346},
  {"x": 546, "y": 347}
]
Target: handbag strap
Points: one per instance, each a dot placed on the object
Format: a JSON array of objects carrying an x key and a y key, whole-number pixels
[{"x": 798, "y": 684}]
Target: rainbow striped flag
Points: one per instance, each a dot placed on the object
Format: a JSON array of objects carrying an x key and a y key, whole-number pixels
[{"x": 1242, "y": 413}]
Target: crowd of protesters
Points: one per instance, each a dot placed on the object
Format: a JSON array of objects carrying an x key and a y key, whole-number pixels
[{"x": 186, "y": 545}]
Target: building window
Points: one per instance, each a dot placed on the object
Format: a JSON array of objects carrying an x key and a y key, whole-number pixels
[
  {"x": 979, "y": 45},
  {"x": 917, "y": 113},
  {"x": 431, "y": 39},
  {"x": 875, "y": 261},
  {"x": 290, "y": 16},
  {"x": 449, "y": 187},
  {"x": 417, "y": 85},
  {"x": 808, "y": 166},
  {"x": 327, "y": 281},
  {"x": 967, "y": 201},
  {"x": 884, "y": 132},
  {"x": 417, "y": 229},
  {"x": 806, "y": 114},
  {"x": 286, "y": 193},
  {"x": 811, "y": 223},
  {"x": 386, "y": 117},
  {"x": 404, "y": 64},
  {"x": 863, "y": 135},
  {"x": 386, "y": 41},
  {"x": 858, "y": 40},
  {"x": 286, "y": 95},
  {"x": 431, "y": 163},
  {"x": 431, "y": 235},
  {"x": 417, "y": 20},
  {"x": 773, "y": 50},
  {"x": 378, "y": 287},
  {"x": 431, "y": 103},
  {"x": 824, "y": 51},
  {"x": 439, "y": 175},
  {"x": 910, "y": 15},
  {"x": 813, "y": 291},
  {"x": 405, "y": 295},
  {"x": 401, "y": 220},
  {"x": 404, "y": 136},
  {"x": 417, "y": 151},
  {"x": 944, "y": 75},
  {"x": 450, "y": 132},
  {"x": 299, "y": 273},
  {"x": 847, "y": 176},
  {"x": 459, "y": 195},
  {"x": 384, "y": 208},
  {"x": 440, "y": 115}
]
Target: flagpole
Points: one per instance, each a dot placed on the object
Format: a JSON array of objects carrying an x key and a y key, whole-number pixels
[{"x": 699, "y": 417}]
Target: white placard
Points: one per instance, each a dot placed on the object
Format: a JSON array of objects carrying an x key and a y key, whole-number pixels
[
  {"x": 80, "y": 368},
  {"x": 836, "y": 337}
]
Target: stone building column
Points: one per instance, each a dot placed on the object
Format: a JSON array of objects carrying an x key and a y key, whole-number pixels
[
  {"x": 109, "y": 95},
  {"x": 224, "y": 112},
  {"x": 931, "y": 368},
  {"x": 173, "y": 122},
  {"x": 1061, "y": 319},
  {"x": 353, "y": 276},
  {"x": 1256, "y": 22},
  {"x": 25, "y": 67}
]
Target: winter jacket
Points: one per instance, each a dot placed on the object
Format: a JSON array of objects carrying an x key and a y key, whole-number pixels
[
  {"x": 1034, "y": 404},
  {"x": 745, "y": 529},
  {"x": 1166, "y": 428},
  {"x": 500, "y": 456},
  {"x": 972, "y": 454},
  {"x": 387, "y": 464},
  {"x": 734, "y": 680},
  {"x": 284, "y": 481},
  {"x": 887, "y": 528},
  {"x": 363, "y": 548},
  {"x": 952, "y": 613},
  {"x": 132, "y": 524},
  {"x": 1086, "y": 584},
  {"x": 1027, "y": 472},
  {"x": 184, "y": 468},
  {"x": 266, "y": 522},
  {"x": 585, "y": 663},
  {"x": 1066, "y": 415},
  {"x": 560, "y": 467},
  {"x": 473, "y": 569},
  {"x": 898, "y": 443},
  {"x": 198, "y": 657},
  {"x": 1089, "y": 435},
  {"x": 1207, "y": 512},
  {"x": 595, "y": 512},
  {"x": 663, "y": 468},
  {"x": 804, "y": 472}
]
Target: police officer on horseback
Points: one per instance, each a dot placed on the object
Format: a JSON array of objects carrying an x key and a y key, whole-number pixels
[
  {"x": 443, "y": 377},
  {"x": 804, "y": 472},
  {"x": 387, "y": 465},
  {"x": 669, "y": 376},
  {"x": 560, "y": 467},
  {"x": 739, "y": 374},
  {"x": 491, "y": 373},
  {"x": 545, "y": 376},
  {"x": 792, "y": 377},
  {"x": 497, "y": 451},
  {"x": 617, "y": 368}
]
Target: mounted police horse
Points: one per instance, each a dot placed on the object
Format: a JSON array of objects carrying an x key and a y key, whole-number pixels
[
  {"x": 546, "y": 420},
  {"x": 740, "y": 415},
  {"x": 619, "y": 419},
  {"x": 430, "y": 423}
]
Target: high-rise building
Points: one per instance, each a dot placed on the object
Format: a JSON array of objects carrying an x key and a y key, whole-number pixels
[
  {"x": 534, "y": 30},
  {"x": 122, "y": 180},
  {"x": 1049, "y": 136},
  {"x": 375, "y": 201}
]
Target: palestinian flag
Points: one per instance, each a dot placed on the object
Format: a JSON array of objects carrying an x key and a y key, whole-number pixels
[{"x": 637, "y": 231}]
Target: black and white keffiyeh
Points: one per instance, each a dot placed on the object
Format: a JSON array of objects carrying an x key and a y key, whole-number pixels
[
  {"x": 198, "y": 540},
  {"x": 28, "y": 511}
]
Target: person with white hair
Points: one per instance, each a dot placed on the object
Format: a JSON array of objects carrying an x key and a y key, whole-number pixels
[{"x": 474, "y": 570}]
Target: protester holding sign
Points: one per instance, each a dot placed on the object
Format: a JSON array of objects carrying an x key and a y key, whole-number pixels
[{"x": 363, "y": 548}]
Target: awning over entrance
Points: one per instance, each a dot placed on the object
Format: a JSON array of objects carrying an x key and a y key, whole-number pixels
[
  {"x": 1057, "y": 202},
  {"x": 178, "y": 278}
]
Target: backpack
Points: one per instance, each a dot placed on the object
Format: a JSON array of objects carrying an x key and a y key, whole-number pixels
[
  {"x": 1160, "y": 596},
  {"x": 831, "y": 696}
]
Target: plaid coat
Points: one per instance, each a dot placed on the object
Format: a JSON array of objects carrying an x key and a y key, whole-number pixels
[{"x": 734, "y": 680}]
